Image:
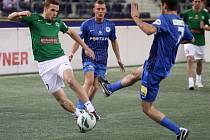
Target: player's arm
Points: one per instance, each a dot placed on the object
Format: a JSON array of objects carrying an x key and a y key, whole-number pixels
[
  {"x": 73, "y": 50},
  {"x": 205, "y": 24},
  {"x": 115, "y": 47},
  {"x": 77, "y": 38},
  {"x": 205, "y": 27},
  {"x": 15, "y": 16},
  {"x": 145, "y": 27}
]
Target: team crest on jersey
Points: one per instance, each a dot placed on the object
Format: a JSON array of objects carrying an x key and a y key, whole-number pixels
[
  {"x": 157, "y": 22},
  {"x": 108, "y": 29},
  {"x": 57, "y": 24}
]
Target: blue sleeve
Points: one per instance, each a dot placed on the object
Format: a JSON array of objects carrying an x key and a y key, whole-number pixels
[
  {"x": 82, "y": 32},
  {"x": 187, "y": 34},
  {"x": 159, "y": 24},
  {"x": 113, "y": 33}
]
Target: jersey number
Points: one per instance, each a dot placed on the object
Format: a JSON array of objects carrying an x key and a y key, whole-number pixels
[{"x": 181, "y": 31}]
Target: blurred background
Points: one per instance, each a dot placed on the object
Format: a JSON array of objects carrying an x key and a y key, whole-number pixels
[{"x": 83, "y": 8}]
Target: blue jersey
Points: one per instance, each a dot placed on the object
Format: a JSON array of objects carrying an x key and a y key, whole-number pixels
[
  {"x": 170, "y": 31},
  {"x": 96, "y": 36}
]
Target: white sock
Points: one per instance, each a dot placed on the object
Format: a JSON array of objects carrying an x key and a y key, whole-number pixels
[
  {"x": 191, "y": 80},
  {"x": 89, "y": 106},
  {"x": 77, "y": 112},
  {"x": 198, "y": 77}
]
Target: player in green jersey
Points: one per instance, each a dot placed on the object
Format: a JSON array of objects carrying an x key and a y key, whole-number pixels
[
  {"x": 54, "y": 66},
  {"x": 198, "y": 21}
]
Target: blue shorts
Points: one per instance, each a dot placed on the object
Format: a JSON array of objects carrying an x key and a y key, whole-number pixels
[
  {"x": 149, "y": 86},
  {"x": 99, "y": 69}
]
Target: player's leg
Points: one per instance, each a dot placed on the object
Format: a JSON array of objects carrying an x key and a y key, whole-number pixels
[
  {"x": 199, "y": 56},
  {"x": 128, "y": 80},
  {"x": 63, "y": 100},
  {"x": 93, "y": 89},
  {"x": 190, "y": 52},
  {"x": 159, "y": 117},
  {"x": 88, "y": 69},
  {"x": 148, "y": 94},
  {"x": 78, "y": 89}
]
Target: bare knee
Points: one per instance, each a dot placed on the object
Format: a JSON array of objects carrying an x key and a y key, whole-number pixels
[
  {"x": 70, "y": 82},
  {"x": 199, "y": 63},
  {"x": 146, "y": 108},
  {"x": 190, "y": 59}
]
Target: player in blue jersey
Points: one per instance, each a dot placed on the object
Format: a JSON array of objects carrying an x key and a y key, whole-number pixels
[
  {"x": 169, "y": 31},
  {"x": 96, "y": 33}
]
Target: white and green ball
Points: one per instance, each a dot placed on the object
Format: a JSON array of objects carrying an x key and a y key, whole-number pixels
[{"x": 86, "y": 122}]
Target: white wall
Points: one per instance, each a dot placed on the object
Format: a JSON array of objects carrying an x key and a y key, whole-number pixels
[{"x": 16, "y": 52}]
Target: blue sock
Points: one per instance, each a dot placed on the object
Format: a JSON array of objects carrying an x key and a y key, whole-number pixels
[
  {"x": 80, "y": 105},
  {"x": 115, "y": 86},
  {"x": 170, "y": 125}
]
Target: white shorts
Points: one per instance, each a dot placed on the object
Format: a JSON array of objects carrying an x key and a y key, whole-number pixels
[
  {"x": 51, "y": 72},
  {"x": 196, "y": 51}
]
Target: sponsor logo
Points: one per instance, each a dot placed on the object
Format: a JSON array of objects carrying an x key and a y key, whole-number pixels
[
  {"x": 13, "y": 58},
  {"x": 99, "y": 38},
  {"x": 49, "y": 40},
  {"x": 100, "y": 33}
]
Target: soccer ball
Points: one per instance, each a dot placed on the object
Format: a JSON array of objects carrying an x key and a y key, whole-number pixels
[{"x": 86, "y": 122}]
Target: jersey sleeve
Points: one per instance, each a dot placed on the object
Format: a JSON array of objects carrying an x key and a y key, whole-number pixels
[
  {"x": 159, "y": 24},
  {"x": 28, "y": 19},
  {"x": 63, "y": 27},
  {"x": 82, "y": 32},
  {"x": 113, "y": 32},
  {"x": 187, "y": 34},
  {"x": 207, "y": 18}
]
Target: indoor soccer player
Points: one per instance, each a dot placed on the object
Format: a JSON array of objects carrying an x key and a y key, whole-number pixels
[
  {"x": 169, "y": 31},
  {"x": 96, "y": 33},
  {"x": 54, "y": 66}
]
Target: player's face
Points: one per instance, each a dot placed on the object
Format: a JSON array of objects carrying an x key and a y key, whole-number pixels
[
  {"x": 99, "y": 11},
  {"x": 51, "y": 12},
  {"x": 197, "y": 4}
]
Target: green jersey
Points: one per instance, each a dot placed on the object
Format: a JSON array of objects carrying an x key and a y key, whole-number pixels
[
  {"x": 193, "y": 20},
  {"x": 44, "y": 35}
]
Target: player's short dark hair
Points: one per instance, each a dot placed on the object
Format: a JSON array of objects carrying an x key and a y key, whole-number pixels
[
  {"x": 48, "y": 2},
  {"x": 99, "y": 2},
  {"x": 171, "y": 4}
]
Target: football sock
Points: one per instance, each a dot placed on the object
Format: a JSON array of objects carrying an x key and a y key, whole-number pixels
[
  {"x": 80, "y": 105},
  {"x": 77, "y": 112},
  {"x": 114, "y": 86},
  {"x": 89, "y": 106},
  {"x": 170, "y": 125}
]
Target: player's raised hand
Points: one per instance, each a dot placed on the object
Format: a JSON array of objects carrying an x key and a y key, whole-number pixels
[
  {"x": 90, "y": 53},
  {"x": 121, "y": 65},
  {"x": 134, "y": 9},
  {"x": 24, "y": 13}
]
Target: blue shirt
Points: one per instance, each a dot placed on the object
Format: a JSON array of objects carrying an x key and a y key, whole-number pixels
[
  {"x": 96, "y": 36},
  {"x": 170, "y": 31}
]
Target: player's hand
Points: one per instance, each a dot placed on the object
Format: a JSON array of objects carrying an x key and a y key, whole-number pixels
[
  {"x": 71, "y": 57},
  {"x": 24, "y": 13},
  {"x": 90, "y": 53},
  {"x": 202, "y": 24},
  {"x": 134, "y": 9},
  {"x": 121, "y": 65}
]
